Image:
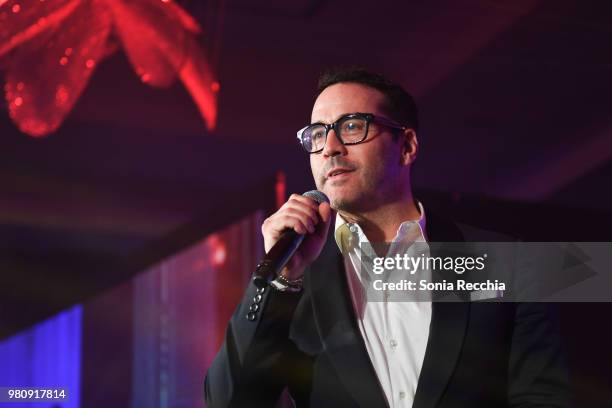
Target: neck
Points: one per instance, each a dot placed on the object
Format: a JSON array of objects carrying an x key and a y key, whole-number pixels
[{"x": 381, "y": 224}]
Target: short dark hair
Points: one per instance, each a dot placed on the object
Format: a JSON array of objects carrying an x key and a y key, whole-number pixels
[{"x": 400, "y": 105}]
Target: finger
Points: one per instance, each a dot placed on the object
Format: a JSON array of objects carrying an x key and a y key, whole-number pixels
[
  {"x": 323, "y": 228},
  {"x": 304, "y": 200},
  {"x": 327, "y": 215},
  {"x": 325, "y": 211},
  {"x": 313, "y": 210},
  {"x": 274, "y": 226},
  {"x": 308, "y": 218},
  {"x": 285, "y": 221}
]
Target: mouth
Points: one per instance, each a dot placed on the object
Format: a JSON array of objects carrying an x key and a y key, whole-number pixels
[{"x": 337, "y": 172}]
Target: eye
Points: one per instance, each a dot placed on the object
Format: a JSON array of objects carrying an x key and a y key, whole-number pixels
[
  {"x": 353, "y": 126},
  {"x": 316, "y": 137},
  {"x": 317, "y": 134}
]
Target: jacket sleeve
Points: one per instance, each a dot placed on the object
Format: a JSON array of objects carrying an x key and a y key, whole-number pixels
[
  {"x": 256, "y": 358},
  {"x": 538, "y": 375}
]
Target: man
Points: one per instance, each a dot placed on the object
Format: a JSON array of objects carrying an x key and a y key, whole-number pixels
[{"x": 314, "y": 333}]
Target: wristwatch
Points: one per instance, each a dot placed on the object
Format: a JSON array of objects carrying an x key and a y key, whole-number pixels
[{"x": 283, "y": 284}]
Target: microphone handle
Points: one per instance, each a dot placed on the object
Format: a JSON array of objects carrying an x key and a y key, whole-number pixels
[{"x": 276, "y": 259}]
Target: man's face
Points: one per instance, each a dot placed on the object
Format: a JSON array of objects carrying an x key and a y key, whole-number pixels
[{"x": 356, "y": 178}]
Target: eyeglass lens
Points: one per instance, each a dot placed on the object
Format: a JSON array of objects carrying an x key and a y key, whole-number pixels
[{"x": 349, "y": 129}]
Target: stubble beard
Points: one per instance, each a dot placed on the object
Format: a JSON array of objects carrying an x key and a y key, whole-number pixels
[
  {"x": 358, "y": 198},
  {"x": 367, "y": 189}
]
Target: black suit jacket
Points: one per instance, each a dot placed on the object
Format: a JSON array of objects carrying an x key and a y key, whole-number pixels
[{"x": 477, "y": 355}]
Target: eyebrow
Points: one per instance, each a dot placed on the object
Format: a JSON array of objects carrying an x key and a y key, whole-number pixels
[{"x": 342, "y": 115}]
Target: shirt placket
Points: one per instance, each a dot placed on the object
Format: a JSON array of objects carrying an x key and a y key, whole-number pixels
[{"x": 393, "y": 347}]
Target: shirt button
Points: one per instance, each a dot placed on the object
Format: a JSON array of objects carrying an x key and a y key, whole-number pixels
[
  {"x": 402, "y": 395},
  {"x": 393, "y": 343},
  {"x": 353, "y": 228}
]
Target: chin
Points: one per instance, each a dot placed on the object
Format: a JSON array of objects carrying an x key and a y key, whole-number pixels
[
  {"x": 344, "y": 197},
  {"x": 343, "y": 202}
]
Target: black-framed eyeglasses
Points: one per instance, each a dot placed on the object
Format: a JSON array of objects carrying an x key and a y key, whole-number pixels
[{"x": 351, "y": 129}]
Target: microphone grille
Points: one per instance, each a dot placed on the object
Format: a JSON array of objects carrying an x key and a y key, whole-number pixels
[{"x": 316, "y": 195}]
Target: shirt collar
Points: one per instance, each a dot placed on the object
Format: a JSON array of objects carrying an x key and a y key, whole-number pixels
[{"x": 342, "y": 228}]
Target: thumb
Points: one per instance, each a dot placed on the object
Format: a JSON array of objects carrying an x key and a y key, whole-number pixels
[
  {"x": 327, "y": 215},
  {"x": 326, "y": 212}
]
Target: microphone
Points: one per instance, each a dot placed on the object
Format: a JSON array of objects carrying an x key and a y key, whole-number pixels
[{"x": 278, "y": 256}]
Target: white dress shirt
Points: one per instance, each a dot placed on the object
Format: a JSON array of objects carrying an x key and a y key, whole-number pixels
[{"x": 395, "y": 333}]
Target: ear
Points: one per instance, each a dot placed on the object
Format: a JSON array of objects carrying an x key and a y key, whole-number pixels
[{"x": 410, "y": 146}]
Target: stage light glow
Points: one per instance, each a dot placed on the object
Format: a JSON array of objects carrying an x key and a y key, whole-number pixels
[{"x": 60, "y": 43}]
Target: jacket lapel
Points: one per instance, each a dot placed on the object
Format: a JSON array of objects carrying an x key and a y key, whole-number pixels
[
  {"x": 336, "y": 322},
  {"x": 446, "y": 334},
  {"x": 447, "y": 329}
]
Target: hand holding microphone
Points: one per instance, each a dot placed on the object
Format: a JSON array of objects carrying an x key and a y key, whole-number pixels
[{"x": 294, "y": 237}]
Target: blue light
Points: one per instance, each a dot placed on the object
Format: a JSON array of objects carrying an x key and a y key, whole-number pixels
[{"x": 46, "y": 355}]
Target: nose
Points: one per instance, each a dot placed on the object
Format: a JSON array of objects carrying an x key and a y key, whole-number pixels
[{"x": 333, "y": 145}]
